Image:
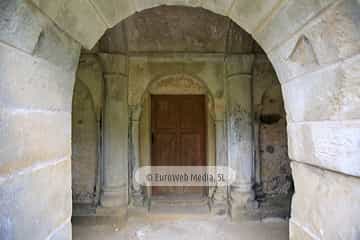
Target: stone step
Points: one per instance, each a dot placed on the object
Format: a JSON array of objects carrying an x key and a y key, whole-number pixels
[{"x": 180, "y": 204}]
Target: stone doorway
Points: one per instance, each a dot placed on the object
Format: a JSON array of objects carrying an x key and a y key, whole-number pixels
[{"x": 178, "y": 136}]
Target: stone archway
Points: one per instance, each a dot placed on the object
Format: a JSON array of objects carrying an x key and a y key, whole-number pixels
[
  {"x": 314, "y": 46},
  {"x": 174, "y": 84}
]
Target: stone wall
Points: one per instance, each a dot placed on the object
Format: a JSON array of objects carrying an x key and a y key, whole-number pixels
[
  {"x": 84, "y": 158},
  {"x": 319, "y": 82},
  {"x": 86, "y": 126},
  {"x": 100, "y": 138},
  {"x": 270, "y": 129},
  {"x": 235, "y": 80},
  {"x": 37, "y": 72},
  {"x": 257, "y": 132},
  {"x": 172, "y": 74}
]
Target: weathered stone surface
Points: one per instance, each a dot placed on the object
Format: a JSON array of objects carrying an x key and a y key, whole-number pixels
[
  {"x": 90, "y": 73},
  {"x": 177, "y": 85},
  {"x": 35, "y": 202},
  {"x": 334, "y": 145},
  {"x": 24, "y": 77},
  {"x": 239, "y": 64},
  {"x": 32, "y": 137},
  {"x": 249, "y": 14},
  {"x": 328, "y": 94},
  {"x": 19, "y": 25},
  {"x": 239, "y": 128},
  {"x": 57, "y": 47},
  {"x": 238, "y": 40},
  {"x": 51, "y": 8},
  {"x": 114, "y": 40},
  {"x": 273, "y": 152},
  {"x": 73, "y": 17},
  {"x": 264, "y": 77},
  {"x": 298, "y": 233},
  {"x": 64, "y": 232},
  {"x": 145, "y": 4},
  {"x": 326, "y": 205},
  {"x": 171, "y": 29},
  {"x": 333, "y": 36},
  {"x": 114, "y": 63},
  {"x": 292, "y": 16},
  {"x": 84, "y": 142},
  {"x": 239, "y": 144},
  {"x": 221, "y": 7},
  {"x": 143, "y": 70},
  {"x": 115, "y": 181},
  {"x": 114, "y": 11}
]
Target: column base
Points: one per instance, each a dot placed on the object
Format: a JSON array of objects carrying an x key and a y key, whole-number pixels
[
  {"x": 243, "y": 206},
  {"x": 137, "y": 199},
  {"x": 219, "y": 202},
  {"x": 113, "y": 199}
]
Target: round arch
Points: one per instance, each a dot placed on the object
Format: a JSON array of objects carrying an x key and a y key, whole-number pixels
[
  {"x": 170, "y": 84},
  {"x": 313, "y": 45}
]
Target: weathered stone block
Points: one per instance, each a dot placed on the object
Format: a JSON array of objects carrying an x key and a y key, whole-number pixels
[
  {"x": 28, "y": 82},
  {"x": 114, "y": 63},
  {"x": 172, "y": 30},
  {"x": 238, "y": 41},
  {"x": 221, "y": 7},
  {"x": 264, "y": 78},
  {"x": 328, "y": 94},
  {"x": 333, "y": 145},
  {"x": 298, "y": 233},
  {"x": 115, "y": 40},
  {"x": 51, "y": 8},
  {"x": 250, "y": 14},
  {"x": 20, "y": 24},
  {"x": 145, "y": 4},
  {"x": 333, "y": 36},
  {"x": 292, "y": 16},
  {"x": 32, "y": 137},
  {"x": 114, "y": 11},
  {"x": 57, "y": 47},
  {"x": 326, "y": 205},
  {"x": 36, "y": 201},
  {"x": 74, "y": 17},
  {"x": 239, "y": 64},
  {"x": 62, "y": 233}
]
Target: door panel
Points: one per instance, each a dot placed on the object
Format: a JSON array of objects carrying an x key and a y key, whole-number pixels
[{"x": 178, "y": 135}]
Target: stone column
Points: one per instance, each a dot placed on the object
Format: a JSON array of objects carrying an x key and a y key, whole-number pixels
[
  {"x": 136, "y": 191},
  {"x": 220, "y": 198},
  {"x": 115, "y": 170},
  {"x": 240, "y": 145}
]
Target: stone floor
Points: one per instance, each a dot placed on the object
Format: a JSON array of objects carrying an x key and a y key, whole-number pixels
[{"x": 160, "y": 226}]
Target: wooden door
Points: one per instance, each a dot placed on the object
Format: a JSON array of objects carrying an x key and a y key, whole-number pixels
[{"x": 178, "y": 135}]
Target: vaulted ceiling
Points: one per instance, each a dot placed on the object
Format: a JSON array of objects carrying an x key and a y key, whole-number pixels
[{"x": 176, "y": 29}]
